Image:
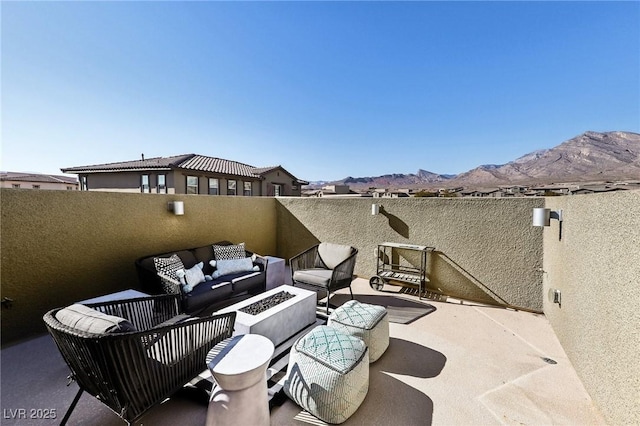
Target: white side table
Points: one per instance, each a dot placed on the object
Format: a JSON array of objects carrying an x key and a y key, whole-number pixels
[
  {"x": 275, "y": 272},
  {"x": 239, "y": 366}
]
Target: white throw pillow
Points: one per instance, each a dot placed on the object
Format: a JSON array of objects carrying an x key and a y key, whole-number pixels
[
  {"x": 233, "y": 266},
  {"x": 189, "y": 278}
]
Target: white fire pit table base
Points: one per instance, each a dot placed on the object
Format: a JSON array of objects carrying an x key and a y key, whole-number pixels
[
  {"x": 238, "y": 365},
  {"x": 281, "y": 321}
]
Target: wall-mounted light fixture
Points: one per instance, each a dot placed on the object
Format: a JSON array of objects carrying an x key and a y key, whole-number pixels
[
  {"x": 375, "y": 209},
  {"x": 542, "y": 217},
  {"x": 555, "y": 296},
  {"x": 177, "y": 207}
]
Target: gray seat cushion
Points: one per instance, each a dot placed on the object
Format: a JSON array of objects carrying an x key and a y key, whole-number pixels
[
  {"x": 317, "y": 276},
  {"x": 83, "y": 318}
]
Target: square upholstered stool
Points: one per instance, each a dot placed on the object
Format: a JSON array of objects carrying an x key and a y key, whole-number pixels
[
  {"x": 328, "y": 374},
  {"x": 368, "y": 322}
]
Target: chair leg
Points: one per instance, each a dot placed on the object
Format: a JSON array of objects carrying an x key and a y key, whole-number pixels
[
  {"x": 351, "y": 291},
  {"x": 71, "y": 408},
  {"x": 328, "y": 295}
]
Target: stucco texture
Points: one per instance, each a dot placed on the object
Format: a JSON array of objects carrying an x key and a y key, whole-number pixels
[
  {"x": 59, "y": 247},
  {"x": 596, "y": 266},
  {"x": 485, "y": 249}
]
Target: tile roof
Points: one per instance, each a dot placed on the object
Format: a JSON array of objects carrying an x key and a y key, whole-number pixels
[
  {"x": 36, "y": 177},
  {"x": 142, "y": 164},
  {"x": 203, "y": 163},
  {"x": 262, "y": 170},
  {"x": 195, "y": 162}
]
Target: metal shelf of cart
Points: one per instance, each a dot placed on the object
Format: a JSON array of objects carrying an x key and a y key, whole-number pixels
[{"x": 387, "y": 272}]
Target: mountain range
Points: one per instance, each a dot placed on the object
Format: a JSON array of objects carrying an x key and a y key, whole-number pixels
[{"x": 589, "y": 157}]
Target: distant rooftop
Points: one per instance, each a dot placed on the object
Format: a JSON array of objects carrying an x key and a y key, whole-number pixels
[
  {"x": 195, "y": 162},
  {"x": 36, "y": 177}
]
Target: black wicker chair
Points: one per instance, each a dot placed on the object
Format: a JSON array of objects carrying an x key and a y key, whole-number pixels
[
  {"x": 131, "y": 372},
  {"x": 325, "y": 265}
]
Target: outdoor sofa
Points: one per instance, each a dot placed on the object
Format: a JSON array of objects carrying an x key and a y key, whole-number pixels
[{"x": 211, "y": 275}]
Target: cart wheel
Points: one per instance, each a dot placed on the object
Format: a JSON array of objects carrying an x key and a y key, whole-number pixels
[{"x": 376, "y": 283}]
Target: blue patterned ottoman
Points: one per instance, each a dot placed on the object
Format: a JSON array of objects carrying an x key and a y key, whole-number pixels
[
  {"x": 368, "y": 322},
  {"x": 328, "y": 374}
]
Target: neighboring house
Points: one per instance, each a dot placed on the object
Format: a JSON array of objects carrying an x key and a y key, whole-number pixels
[
  {"x": 487, "y": 192},
  {"x": 37, "y": 181},
  {"x": 554, "y": 189},
  {"x": 597, "y": 188},
  {"x": 336, "y": 191},
  {"x": 188, "y": 174}
]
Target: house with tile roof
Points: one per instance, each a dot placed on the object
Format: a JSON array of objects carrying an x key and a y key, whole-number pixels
[
  {"x": 188, "y": 174},
  {"x": 19, "y": 180}
]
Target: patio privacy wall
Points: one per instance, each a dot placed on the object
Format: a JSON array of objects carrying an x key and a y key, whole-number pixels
[
  {"x": 485, "y": 249},
  {"x": 596, "y": 266},
  {"x": 59, "y": 247}
]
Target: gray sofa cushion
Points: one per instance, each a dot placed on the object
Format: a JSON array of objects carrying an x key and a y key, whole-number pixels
[{"x": 83, "y": 318}]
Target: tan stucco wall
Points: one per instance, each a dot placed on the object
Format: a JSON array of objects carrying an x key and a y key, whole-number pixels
[
  {"x": 486, "y": 249},
  {"x": 596, "y": 266},
  {"x": 58, "y": 247}
]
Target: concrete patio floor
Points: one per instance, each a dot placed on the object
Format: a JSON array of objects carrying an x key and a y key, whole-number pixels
[{"x": 462, "y": 364}]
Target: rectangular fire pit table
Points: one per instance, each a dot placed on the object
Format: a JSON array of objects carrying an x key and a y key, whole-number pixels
[{"x": 279, "y": 322}]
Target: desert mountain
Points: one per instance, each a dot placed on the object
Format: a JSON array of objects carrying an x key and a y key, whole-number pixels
[
  {"x": 591, "y": 156},
  {"x": 396, "y": 180},
  {"x": 588, "y": 157}
]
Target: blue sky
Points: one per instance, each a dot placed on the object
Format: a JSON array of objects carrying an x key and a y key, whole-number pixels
[{"x": 325, "y": 89}]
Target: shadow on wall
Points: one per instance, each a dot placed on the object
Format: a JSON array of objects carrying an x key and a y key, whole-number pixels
[
  {"x": 447, "y": 277},
  {"x": 293, "y": 237},
  {"x": 396, "y": 223},
  {"x": 451, "y": 279}
]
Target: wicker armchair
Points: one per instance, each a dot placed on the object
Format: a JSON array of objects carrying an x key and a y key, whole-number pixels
[
  {"x": 326, "y": 265},
  {"x": 131, "y": 372}
]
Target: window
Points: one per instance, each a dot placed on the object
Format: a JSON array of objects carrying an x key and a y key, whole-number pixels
[
  {"x": 247, "y": 189},
  {"x": 161, "y": 188},
  {"x": 84, "y": 185},
  {"x": 36, "y": 186},
  {"x": 277, "y": 189},
  {"x": 231, "y": 187},
  {"x": 192, "y": 185},
  {"x": 213, "y": 186},
  {"x": 69, "y": 188},
  {"x": 15, "y": 185},
  {"x": 144, "y": 185}
]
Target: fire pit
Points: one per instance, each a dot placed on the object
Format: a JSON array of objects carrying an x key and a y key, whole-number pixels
[
  {"x": 278, "y": 321},
  {"x": 266, "y": 303}
]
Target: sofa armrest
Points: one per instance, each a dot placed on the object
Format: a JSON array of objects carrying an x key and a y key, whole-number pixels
[{"x": 262, "y": 261}]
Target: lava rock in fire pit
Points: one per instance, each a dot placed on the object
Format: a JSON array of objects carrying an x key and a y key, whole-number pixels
[{"x": 266, "y": 303}]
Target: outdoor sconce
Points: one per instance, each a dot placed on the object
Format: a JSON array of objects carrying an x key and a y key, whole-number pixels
[
  {"x": 177, "y": 207},
  {"x": 375, "y": 209},
  {"x": 555, "y": 296},
  {"x": 542, "y": 217}
]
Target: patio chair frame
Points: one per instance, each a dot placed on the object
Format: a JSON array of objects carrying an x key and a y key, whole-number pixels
[
  {"x": 341, "y": 276},
  {"x": 132, "y": 372}
]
